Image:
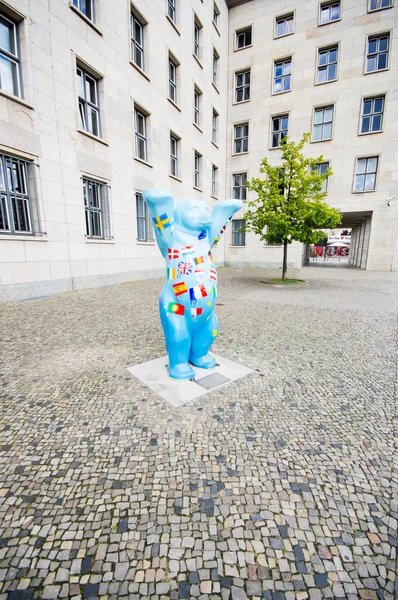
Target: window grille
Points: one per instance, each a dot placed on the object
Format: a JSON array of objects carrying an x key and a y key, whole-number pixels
[
  {"x": 238, "y": 237},
  {"x": 372, "y": 115},
  {"x": 144, "y": 222},
  {"x": 323, "y": 122},
  {"x": 10, "y": 72},
  {"x": 96, "y": 204},
  {"x": 242, "y": 86},
  {"x": 241, "y": 138},
  {"x": 377, "y": 53},
  {"x": 327, "y": 64},
  {"x": 365, "y": 176},
  {"x": 239, "y": 186},
  {"x": 88, "y": 102}
]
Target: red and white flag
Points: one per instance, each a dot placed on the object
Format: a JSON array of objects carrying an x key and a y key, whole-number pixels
[
  {"x": 187, "y": 250},
  {"x": 195, "y": 312},
  {"x": 213, "y": 274},
  {"x": 173, "y": 253},
  {"x": 199, "y": 272}
]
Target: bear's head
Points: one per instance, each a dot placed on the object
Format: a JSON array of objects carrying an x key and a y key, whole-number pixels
[{"x": 192, "y": 215}]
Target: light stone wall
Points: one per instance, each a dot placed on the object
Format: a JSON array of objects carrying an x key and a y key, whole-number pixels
[
  {"x": 45, "y": 126},
  {"x": 350, "y": 33}
]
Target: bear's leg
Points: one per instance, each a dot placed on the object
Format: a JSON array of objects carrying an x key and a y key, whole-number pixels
[
  {"x": 202, "y": 340},
  {"x": 178, "y": 343}
]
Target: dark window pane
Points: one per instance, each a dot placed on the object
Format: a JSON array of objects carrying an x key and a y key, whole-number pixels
[
  {"x": 365, "y": 125},
  {"x": 367, "y": 107},
  {"x": 372, "y": 46},
  {"x": 376, "y": 125},
  {"x": 378, "y": 105},
  {"x": 383, "y": 44},
  {"x": 382, "y": 62}
]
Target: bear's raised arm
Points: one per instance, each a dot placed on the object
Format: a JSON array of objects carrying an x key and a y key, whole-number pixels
[
  {"x": 222, "y": 213},
  {"x": 161, "y": 208}
]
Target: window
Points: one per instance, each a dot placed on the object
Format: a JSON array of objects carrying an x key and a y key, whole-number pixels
[
  {"x": 280, "y": 125},
  {"x": 321, "y": 168},
  {"x": 214, "y": 126},
  {"x": 18, "y": 208},
  {"x": 377, "y": 53},
  {"x": 197, "y": 26},
  {"x": 282, "y": 75},
  {"x": 196, "y": 106},
  {"x": 197, "y": 165},
  {"x": 141, "y": 149},
  {"x": 372, "y": 115},
  {"x": 87, "y": 87},
  {"x": 86, "y": 7},
  {"x": 216, "y": 15},
  {"x": 10, "y": 74},
  {"x": 238, "y": 237},
  {"x": 244, "y": 38},
  {"x": 97, "y": 209},
  {"x": 327, "y": 65},
  {"x": 173, "y": 155},
  {"x": 284, "y": 25},
  {"x": 329, "y": 12},
  {"x": 216, "y": 58},
  {"x": 144, "y": 223},
  {"x": 379, "y": 4},
  {"x": 214, "y": 180},
  {"x": 172, "y": 11},
  {"x": 137, "y": 42},
  {"x": 365, "y": 176},
  {"x": 239, "y": 188},
  {"x": 242, "y": 86},
  {"x": 323, "y": 121},
  {"x": 173, "y": 79},
  {"x": 241, "y": 138}
]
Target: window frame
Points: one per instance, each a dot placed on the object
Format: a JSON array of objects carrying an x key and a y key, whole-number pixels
[
  {"x": 278, "y": 131},
  {"x": 13, "y": 58},
  {"x": 11, "y": 199},
  {"x": 372, "y": 10},
  {"x": 85, "y": 104},
  {"x": 103, "y": 210},
  {"x": 174, "y": 158},
  {"x": 235, "y": 139},
  {"x": 172, "y": 6},
  {"x": 241, "y": 234},
  {"x": 145, "y": 219},
  {"x": 322, "y": 108},
  {"x": 282, "y": 61},
  {"x": 197, "y": 37},
  {"x": 197, "y": 92},
  {"x": 240, "y": 31},
  {"x": 378, "y": 36},
  {"x": 216, "y": 13},
  {"x": 215, "y": 67},
  {"x": 362, "y": 116},
  {"x": 367, "y": 157},
  {"x": 240, "y": 187},
  {"x": 135, "y": 18},
  {"x": 77, "y": 4},
  {"x": 214, "y": 181},
  {"x": 329, "y": 3},
  {"x": 283, "y": 18},
  {"x": 328, "y": 48},
  {"x": 139, "y": 112},
  {"x": 326, "y": 181},
  {"x": 214, "y": 126},
  {"x": 197, "y": 166},
  {"x": 172, "y": 84},
  {"x": 243, "y": 87}
]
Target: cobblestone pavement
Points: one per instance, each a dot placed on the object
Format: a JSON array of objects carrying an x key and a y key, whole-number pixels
[{"x": 278, "y": 486}]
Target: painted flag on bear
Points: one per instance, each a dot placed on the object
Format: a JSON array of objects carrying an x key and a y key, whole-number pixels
[
  {"x": 199, "y": 272},
  {"x": 215, "y": 292},
  {"x": 161, "y": 222},
  {"x": 195, "y": 312},
  {"x": 202, "y": 234},
  {"x": 184, "y": 268},
  {"x": 173, "y": 253},
  {"x": 187, "y": 250},
  {"x": 180, "y": 288},
  {"x": 197, "y": 292},
  {"x": 171, "y": 273},
  {"x": 210, "y": 256},
  {"x": 176, "y": 309},
  {"x": 213, "y": 274},
  {"x": 199, "y": 260}
]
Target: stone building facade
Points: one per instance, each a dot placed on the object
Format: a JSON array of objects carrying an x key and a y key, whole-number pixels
[{"x": 101, "y": 99}]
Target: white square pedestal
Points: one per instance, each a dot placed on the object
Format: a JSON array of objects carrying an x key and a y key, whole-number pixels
[{"x": 155, "y": 375}]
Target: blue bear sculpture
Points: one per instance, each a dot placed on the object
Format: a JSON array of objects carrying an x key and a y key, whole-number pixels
[{"x": 185, "y": 233}]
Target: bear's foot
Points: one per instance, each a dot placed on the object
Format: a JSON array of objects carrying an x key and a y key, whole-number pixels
[
  {"x": 203, "y": 362},
  {"x": 181, "y": 372}
]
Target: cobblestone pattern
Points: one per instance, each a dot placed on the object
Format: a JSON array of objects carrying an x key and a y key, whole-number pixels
[{"x": 278, "y": 486}]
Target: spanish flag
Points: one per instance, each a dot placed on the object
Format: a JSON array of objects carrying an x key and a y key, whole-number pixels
[
  {"x": 177, "y": 309},
  {"x": 180, "y": 288}
]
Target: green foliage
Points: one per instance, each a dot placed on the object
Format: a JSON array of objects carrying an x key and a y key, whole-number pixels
[{"x": 289, "y": 204}]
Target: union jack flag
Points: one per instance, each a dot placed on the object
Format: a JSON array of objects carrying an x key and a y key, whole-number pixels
[{"x": 184, "y": 268}]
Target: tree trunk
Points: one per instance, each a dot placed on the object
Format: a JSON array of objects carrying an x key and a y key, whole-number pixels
[{"x": 284, "y": 268}]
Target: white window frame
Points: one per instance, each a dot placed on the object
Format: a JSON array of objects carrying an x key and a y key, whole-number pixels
[
  {"x": 242, "y": 188},
  {"x": 372, "y": 114},
  {"x": 172, "y": 10},
  {"x": 197, "y": 170},
  {"x": 145, "y": 218},
  {"x": 196, "y": 106},
  {"x": 321, "y": 68},
  {"x": 102, "y": 210},
  {"x": 197, "y": 37},
  {"x": 366, "y": 172},
  {"x": 242, "y": 31},
  {"x": 216, "y": 58},
  {"x": 378, "y": 36},
  {"x": 322, "y": 123},
  {"x": 12, "y": 58},
  {"x": 284, "y": 18},
  {"x": 240, "y": 235},
  {"x": 317, "y": 168},
  {"x": 370, "y": 9},
  {"x": 284, "y": 76},
  {"x": 279, "y": 131},
  {"x": 242, "y": 138},
  {"x": 136, "y": 45},
  {"x": 139, "y": 136},
  {"x": 172, "y": 82},
  {"x": 174, "y": 152},
  {"x": 214, "y": 126},
  {"x": 78, "y": 4},
  {"x": 86, "y": 104},
  {"x": 214, "y": 181},
  {"x": 330, "y": 4},
  {"x": 244, "y": 86},
  {"x": 216, "y": 15}
]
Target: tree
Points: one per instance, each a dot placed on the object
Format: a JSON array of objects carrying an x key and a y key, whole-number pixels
[{"x": 289, "y": 205}]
